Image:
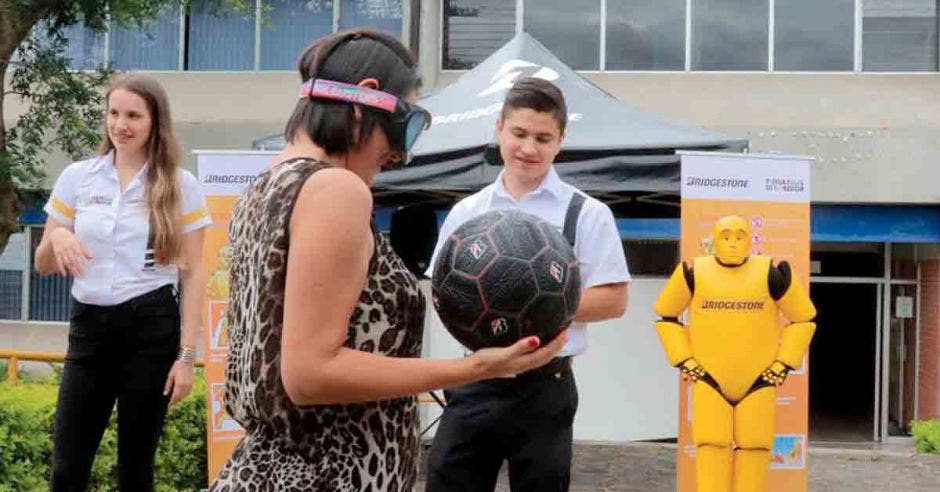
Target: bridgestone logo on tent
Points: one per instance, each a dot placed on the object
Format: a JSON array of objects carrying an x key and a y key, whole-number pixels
[
  {"x": 510, "y": 70},
  {"x": 467, "y": 115}
]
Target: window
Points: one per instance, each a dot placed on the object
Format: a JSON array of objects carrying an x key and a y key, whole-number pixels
[
  {"x": 899, "y": 35},
  {"x": 848, "y": 259},
  {"x": 152, "y": 46},
  {"x": 86, "y": 47},
  {"x": 219, "y": 39},
  {"x": 814, "y": 35},
  {"x": 568, "y": 28},
  {"x": 645, "y": 35},
  {"x": 729, "y": 34},
  {"x": 474, "y": 29},
  {"x": 385, "y": 15},
  {"x": 13, "y": 261},
  {"x": 290, "y": 26},
  {"x": 50, "y": 297}
]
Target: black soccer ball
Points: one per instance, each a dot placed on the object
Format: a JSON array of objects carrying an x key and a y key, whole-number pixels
[{"x": 503, "y": 276}]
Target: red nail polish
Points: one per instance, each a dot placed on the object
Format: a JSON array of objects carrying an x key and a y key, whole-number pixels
[{"x": 534, "y": 342}]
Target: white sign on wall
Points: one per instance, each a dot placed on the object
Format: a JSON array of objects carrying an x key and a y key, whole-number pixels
[{"x": 903, "y": 307}]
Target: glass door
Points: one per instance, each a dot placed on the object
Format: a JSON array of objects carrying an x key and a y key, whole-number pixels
[{"x": 900, "y": 360}]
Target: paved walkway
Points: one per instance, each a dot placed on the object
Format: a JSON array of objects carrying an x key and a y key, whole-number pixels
[{"x": 644, "y": 467}]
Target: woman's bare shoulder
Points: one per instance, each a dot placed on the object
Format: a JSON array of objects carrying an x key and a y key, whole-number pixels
[
  {"x": 336, "y": 192},
  {"x": 336, "y": 183}
]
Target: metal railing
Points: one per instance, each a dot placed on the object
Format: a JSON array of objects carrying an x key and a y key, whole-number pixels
[{"x": 14, "y": 357}]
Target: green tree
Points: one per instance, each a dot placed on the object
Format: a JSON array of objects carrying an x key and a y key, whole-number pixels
[{"x": 63, "y": 107}]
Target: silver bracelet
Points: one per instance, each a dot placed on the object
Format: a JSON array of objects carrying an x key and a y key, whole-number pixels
[{"x": 186, "y": 354}]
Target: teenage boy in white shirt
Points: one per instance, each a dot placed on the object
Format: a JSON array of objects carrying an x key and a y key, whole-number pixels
[{"x": 528, "y": 419}]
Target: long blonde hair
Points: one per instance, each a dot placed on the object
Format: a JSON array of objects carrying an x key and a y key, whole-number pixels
[{"x": 164, "y": 155}]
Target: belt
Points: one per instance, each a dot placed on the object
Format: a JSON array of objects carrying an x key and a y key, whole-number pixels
[{"x": 558, "y": 365}]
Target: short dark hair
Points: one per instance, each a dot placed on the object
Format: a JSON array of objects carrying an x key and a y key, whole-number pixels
[
  {"x": 350, "y": 56},
  {"x": 538, "y": 95}
]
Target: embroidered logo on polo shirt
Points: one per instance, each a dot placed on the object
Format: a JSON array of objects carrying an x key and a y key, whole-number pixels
[{"x": 100, "y": 200}]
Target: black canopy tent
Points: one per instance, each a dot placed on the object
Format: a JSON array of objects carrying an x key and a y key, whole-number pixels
[{"x": 611, "y": 149}]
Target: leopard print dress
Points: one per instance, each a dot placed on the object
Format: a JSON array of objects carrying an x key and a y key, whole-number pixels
[{"x": 352, "y": 447}]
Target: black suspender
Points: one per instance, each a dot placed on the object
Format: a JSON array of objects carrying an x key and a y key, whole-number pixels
[{"x": 571, "y": 217}]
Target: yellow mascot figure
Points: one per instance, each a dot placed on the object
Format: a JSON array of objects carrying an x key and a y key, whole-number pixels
[{"x": 733, "y": 352}]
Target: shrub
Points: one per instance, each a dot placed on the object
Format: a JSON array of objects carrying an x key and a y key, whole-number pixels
[
  {"x": 926, "y": 436},
  {"x": 27, "y": 413},
  {"x": 26, "y": 416}
]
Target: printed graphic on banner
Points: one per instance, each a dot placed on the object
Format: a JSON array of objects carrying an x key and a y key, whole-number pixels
[
  {"x": 224, "y": 176},
  {"x": 772, "y": 193},
  {"x": 789, "y": 452},
  {"x": 217, "y": 286},
  {"x": 222, "y": 424},
  {"x": 218, "y": 324}
]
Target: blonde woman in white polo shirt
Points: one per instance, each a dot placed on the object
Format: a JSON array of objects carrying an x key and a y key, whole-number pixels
[{"x": 128, "y": 225}]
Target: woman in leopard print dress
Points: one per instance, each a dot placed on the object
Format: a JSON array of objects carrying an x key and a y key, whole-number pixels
[{"x": 325, "y": 320}]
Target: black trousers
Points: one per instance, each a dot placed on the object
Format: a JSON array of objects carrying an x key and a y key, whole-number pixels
[
  {"x": 525, "y": 420},
  {"x": 121, "y": 353}
]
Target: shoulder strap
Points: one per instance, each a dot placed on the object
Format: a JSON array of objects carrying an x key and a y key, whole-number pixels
[{"x": 571, "y": 217}]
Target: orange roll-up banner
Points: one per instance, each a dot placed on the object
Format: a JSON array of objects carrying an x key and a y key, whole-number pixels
[
  {"x": 224, "y": 176},
  {"x": 772, "y": 192}
]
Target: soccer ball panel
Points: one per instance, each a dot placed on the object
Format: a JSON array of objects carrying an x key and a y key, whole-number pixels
[
  {"x": 445, "y": 260},
  {"x": 498, "y": 329},
  {"x": 478, "y": 225},
  {"x": 551, "y": 271},
  {"x": 458, "y": 301},
  {"x": 545, "y": 317},
  {"x": 508, "y": 285},
  {"x": 473, "y": 254},
  {"x": 517, "y": 238}
]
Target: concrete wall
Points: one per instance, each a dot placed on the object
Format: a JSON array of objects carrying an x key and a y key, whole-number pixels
[{"x": 875, "y": 137}]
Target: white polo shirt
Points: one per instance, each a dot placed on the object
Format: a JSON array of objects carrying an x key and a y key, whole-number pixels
[
  {"x": 115, "y": 228},
  {"x": 597, "y": 242}
]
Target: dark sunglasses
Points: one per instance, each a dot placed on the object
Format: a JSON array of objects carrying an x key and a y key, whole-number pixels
[{"x": 408, "y": 120}]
